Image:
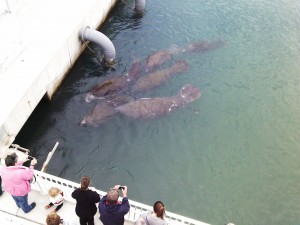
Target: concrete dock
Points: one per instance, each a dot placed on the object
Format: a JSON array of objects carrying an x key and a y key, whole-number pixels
[{"x": 39, "y": 44}]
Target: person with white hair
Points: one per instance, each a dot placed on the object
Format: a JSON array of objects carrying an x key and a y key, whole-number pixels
[{"x": 112, "y": 211}]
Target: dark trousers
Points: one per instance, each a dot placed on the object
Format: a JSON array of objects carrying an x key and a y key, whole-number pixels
[
  {"x": 86, "y": 220},
  {"x": 1, "y": 192},
  {"x": 57, "y": 207}
]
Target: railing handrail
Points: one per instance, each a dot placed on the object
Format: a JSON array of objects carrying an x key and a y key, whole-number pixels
[{"x": 45, "y": 181}]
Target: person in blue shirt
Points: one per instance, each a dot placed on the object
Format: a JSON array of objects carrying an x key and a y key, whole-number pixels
[{"x": 112, "y": 211}]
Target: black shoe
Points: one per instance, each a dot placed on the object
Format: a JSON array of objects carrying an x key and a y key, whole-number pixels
[{"x": 33, "y": 205}]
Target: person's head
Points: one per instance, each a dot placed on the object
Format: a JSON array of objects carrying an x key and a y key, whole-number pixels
[
  {"x": 112, "y": 196},
  {"x": 53, "y": 219},
  {"x": 84, "y": 183},
  {"x": 11, "y": 159},
  {"x": 53, "y": 192},
  {"x": 159, "y": 209}
]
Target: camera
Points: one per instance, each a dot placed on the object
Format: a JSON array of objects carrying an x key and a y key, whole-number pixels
[{"x": 121, "y": 188}]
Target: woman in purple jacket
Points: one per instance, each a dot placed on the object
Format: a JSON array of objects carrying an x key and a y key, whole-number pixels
[{"x": 16, "y": 181}]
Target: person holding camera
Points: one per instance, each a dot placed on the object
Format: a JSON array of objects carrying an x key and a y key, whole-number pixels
[
  {"x": 86, "y": 200},
  {"x": 16, "y": 181},
  {"x": 112, "y": 211}
]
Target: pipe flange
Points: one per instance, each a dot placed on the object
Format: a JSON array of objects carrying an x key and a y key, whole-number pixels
[{"x": 82, "y": 33}]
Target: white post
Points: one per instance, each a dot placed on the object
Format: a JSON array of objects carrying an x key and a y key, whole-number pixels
[{"x": 50, "y": 154}]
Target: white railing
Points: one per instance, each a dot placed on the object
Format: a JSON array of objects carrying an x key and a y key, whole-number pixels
[
  {"x": 4, "y": 7},
  {"x": 45, "y": 181}
]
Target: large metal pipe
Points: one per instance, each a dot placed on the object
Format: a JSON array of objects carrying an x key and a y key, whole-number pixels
[
  {"x": 87, "y": 34},
  {"x": 139, "y": 5}
]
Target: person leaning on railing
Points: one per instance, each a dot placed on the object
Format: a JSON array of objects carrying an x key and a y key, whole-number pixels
[
  {"x": 111, "y": 211},
  {"x": 86, "y": 200},
  {"x": 154, "y": 218},
  {"x": 16, "y": 180}
]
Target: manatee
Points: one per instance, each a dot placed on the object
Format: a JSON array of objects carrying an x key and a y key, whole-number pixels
[
  {"x": 148, "y": 108},
  {"x": 107, "y": 88},
  {"x": 203, "y": 46},
  {"x": 160, "y": 57},
  {"x": 105, "y": 110},
  {"x": 120, "y": 100},
  {"x": 134, "y": 71},
  {"x": 101, "y": 113},
  {"x": 115, "y": 85},
  {"x": 112, "y": 86},
  {"x": 159, "y": 77}
]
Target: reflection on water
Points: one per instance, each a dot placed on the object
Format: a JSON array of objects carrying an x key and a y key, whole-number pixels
[{"x": 232, "y": 155}]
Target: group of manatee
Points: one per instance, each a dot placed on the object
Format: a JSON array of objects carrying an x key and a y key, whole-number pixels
[{"x": 116, "y": 94}]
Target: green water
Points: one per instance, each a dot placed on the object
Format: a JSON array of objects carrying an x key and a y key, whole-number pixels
[{"x": 231, "y": 156}]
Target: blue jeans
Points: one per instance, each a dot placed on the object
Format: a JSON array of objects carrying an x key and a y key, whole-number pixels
[{"x": 22, "y": 202}]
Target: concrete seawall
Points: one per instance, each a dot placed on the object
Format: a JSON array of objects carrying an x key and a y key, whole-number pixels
[{"x": 39, "y": 44}]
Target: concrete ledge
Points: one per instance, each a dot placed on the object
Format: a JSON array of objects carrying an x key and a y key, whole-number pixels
[{"x": 45, "y": 48}]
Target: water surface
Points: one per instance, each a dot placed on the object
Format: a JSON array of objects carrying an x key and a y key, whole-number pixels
[{"x": 232, "y": 155}]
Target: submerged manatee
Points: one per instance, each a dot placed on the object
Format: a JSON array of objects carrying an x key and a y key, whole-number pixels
[
  {"x": 159, "y": 58},
  {"x": 203, "y": 46},
  {"x": 101, "y": 113},
  {"x": 159, "y": 77},
  {"x": 113, "y": 86},
  {"x": 107, "y": 88},
  {"x": 105, "y": 110},
  {"x": 134, "y": 71},
  {"x": 147, "y": 108}
]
